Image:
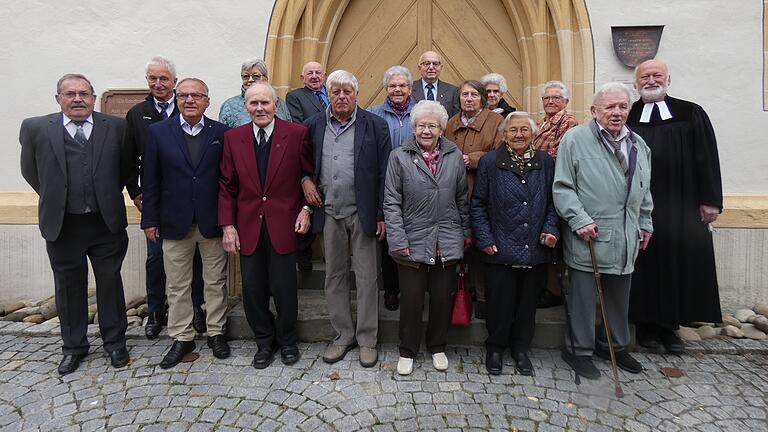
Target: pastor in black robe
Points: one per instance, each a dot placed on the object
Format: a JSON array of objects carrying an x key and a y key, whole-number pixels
[{"x": 675, "y": 281}]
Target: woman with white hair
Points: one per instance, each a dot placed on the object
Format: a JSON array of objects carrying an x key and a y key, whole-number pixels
[
  {"x": 554, "y": 98},
  {"x": 232, "y": 112},
  {"x": 495, "y": 87},
  {"x": 396, "y": 110},
  {"x": 515, "y": 226},
  {"x": 427, "y": 217}
]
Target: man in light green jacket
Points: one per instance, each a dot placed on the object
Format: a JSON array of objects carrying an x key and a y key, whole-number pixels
[{"x": 601, "y": 191}]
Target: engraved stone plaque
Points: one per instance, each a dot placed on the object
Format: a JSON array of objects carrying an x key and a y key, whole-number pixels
[
  {"x": 634, "y": 45},
  {"x": 118, "y": 102}
]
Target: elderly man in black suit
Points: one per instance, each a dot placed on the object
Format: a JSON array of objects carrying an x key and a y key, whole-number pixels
[
  {"x": 75, "y": 160},
  {"x": 429, "y": 87},
  {"x": 304, "y": 103}
]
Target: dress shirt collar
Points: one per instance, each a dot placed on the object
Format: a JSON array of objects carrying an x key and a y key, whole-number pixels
[
  {"x": 192, "y": 129},
  {"x": 424, "y": 84},
  {"x": 267, "y": 130},
  {"x": 168, "y": 109},
  {"x": 71, "y": 127},
  {"x": 623, "y": 134}
]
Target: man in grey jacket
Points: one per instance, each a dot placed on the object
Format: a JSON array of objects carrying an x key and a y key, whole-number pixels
[{"x": 602, "y": 191}]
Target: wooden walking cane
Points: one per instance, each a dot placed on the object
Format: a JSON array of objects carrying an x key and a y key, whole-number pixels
[{"x": 619, "y": 391}]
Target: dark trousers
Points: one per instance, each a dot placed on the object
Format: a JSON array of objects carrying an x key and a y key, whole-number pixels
[
  {"x": 439, "y": 281},
  {"x": 267, "y": 273},
  {"x": 304, "y": 252},
  {"x": 511, "y": 296},
  {"x": 156, "y": 277},
  {"x": 82, "y": 238},
  {"x": 388, "y": 271}
]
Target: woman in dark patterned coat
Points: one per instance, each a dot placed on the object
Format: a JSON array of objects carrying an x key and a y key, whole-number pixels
[{"x": 515, "y": 226}]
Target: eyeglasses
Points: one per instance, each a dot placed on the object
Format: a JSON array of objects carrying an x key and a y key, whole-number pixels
[
  {"x": 430, "y": 63},
  {"x": 255, "y": 77},
  {"x": 552, "y": 98},
  {"x": 72, "y": 95},
  {"x": 194, "y": 96},
  {"x": 162, "y": 79},
  {"x": 431, "y": 127}
]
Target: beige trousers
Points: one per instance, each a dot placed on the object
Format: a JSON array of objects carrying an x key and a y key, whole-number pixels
[{"x": 177, "y": 259}]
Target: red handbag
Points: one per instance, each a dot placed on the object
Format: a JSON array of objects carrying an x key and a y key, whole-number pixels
[{"x": 462, "y": 302}]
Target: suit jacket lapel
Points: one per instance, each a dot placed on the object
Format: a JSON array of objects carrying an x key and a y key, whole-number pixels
[
  {"x": 313, "y": 98},
  {"x": 56, "y": 133},
  {"x": 99, "y": 134},
  {"x": 276, "y": 153},
  {"x": 208, "y": 139},
  {"x": 418, "y": 90},
  {"x": 360, "y": 123}
]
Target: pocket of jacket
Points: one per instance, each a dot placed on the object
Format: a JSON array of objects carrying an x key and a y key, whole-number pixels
[{"x": 605, "y": 252}]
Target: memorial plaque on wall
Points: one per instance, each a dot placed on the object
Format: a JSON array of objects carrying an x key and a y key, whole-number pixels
[
  {"x": 118, "y": 102},
  {"x": 634, "y": 45}
]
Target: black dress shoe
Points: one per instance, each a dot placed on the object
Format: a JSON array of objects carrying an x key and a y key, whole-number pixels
[
  {"x": 391, "y": 302},
  {"x": 263, "y": 358},
  {"x": 289, "y": 354},
  {"x": 154, "y": 324},
  {"x": 582, "y": 365},
  {"x": 198, "y": 319},
  {"x": 522, "y": 363},
  {"x": 177, "y": 352},
  {"x": 219, "y": 346},
  {"x": 623, "y": 360},
  {"x": 671, "y": 342},
  {"x": 647, "y": 336},
  {"x": 494, "y": 362},
  {"x": 480, "y": 310},
  {"x": 69, "y": 363},
  {"x": 119, "y": 357}
]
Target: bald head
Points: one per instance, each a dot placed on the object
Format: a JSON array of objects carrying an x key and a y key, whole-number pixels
[
  {"x": 430, "y": 66},
  {"x": 313, "y": 75},
  {"x": 652, "y": 80}
]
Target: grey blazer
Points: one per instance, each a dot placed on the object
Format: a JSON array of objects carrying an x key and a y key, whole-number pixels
[
  {"x": 303, "y": 104},
  {"x": 44, "y": 167},
  {"x": 448, "y": 96}
]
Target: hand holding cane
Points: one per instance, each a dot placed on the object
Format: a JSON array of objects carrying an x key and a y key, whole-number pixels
[{"x": 619, "y": 391}]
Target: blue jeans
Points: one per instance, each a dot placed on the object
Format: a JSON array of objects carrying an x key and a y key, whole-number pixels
[{"x": 156, "y": 277}]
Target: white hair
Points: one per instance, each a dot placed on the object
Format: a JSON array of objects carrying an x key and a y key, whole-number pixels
[
  {"x": 341, "y": 78},
  {"x": 494, "y": 78},
  {"x": 611, "y": 87},
  {"x": 398, "y": 70},
  {"x": 426, "y": 107},
  {"x": 508, "y": 118},
  {"x": 255, "y": 63},
  {"x": 557, "y": 85},
  {"x": 161, "y": 61}
]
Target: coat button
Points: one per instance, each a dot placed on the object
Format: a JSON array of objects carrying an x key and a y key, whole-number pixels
[
  {"x": 525, "y": 224},
  {"x": 523, "y": 181},
  {"x": 524, "y": 202},
  {"x": 526, "y": 246},
  {"x": 263, "y": 198},
  {"x": 431, "y": 260}
]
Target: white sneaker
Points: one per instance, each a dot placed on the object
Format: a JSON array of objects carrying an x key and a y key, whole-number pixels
[
  {"x": 404, "y": 366},
  {"x": 440, "y": 361}
]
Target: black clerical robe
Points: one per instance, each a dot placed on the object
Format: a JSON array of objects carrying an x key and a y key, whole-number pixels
[{"x": 675, "y": 280}]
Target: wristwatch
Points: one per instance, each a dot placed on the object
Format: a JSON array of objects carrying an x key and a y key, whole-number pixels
[{"x": 307, "y": 208}]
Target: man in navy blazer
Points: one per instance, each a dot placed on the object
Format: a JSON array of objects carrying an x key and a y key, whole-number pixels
[
  {"x": 181, "y": 174},
  {"x": 351, "y": 149}
]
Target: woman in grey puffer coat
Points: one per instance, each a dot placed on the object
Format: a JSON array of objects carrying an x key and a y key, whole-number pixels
[{"x": 427, "y": 218}]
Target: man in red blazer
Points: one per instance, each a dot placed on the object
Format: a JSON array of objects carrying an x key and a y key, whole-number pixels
[{"x": 262, "y": 211}]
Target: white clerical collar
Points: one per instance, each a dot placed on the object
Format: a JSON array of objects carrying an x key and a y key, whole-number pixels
[{"x": 648, "y": 109}]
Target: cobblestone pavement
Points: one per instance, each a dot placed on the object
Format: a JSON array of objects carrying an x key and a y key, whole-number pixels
[{"x": 718, "y": 392}]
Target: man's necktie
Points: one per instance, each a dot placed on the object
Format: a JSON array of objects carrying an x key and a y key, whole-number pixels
[
  {"x": 80, "y": 133},
  {"x": 262, "y": 138},
  {"x": 430, "y": 93},
  {"x": 322, "y": 99},
  {"x": 619, "y": 155},
  {"x": 163, "y": 109}
]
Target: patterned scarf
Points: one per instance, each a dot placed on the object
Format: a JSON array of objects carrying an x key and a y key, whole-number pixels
[
  {"x": 430, "y": 157},
  {"x": 466, "y": 121},
  {"x": 400, "y": 110},
  {"x": 521, "y": 161}
]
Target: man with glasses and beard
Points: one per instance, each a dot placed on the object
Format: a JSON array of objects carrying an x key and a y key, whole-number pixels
[{"x": 675, "y": 280}]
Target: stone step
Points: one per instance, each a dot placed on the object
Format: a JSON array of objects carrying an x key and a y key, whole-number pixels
[{"x": 313, "y": 324}]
